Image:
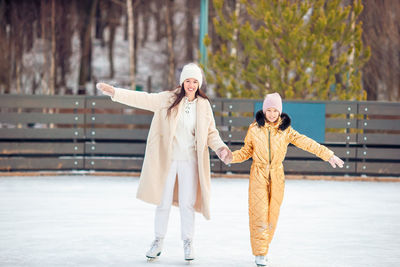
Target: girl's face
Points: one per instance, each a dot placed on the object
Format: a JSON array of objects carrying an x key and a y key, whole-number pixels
[
  {"x": 190, "y": 85},
  {"x": 272, "y": 114}
]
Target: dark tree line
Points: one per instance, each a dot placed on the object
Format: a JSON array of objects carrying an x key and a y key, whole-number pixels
[
  {"x": 36, "y": 41},
  {"x": 45, "y": 30}
]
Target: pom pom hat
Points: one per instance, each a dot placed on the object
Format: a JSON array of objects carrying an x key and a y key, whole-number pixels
[
  {"x": 273, "y": 101},
  {"x": 191, "y": 70}
]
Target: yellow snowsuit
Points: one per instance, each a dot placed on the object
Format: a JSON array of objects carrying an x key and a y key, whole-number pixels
[{"x": 267, "y": 145}]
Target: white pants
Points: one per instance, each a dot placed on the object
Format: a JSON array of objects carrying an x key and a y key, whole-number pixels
[{"x": 187, "y": 182}]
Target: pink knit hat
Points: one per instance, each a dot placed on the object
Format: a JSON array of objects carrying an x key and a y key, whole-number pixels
[{"x": 273, "y": 101}]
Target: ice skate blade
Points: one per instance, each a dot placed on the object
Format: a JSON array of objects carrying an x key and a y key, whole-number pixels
[
  {"x": 151, "y": 259},
  {"x": 189, "y": 261}
]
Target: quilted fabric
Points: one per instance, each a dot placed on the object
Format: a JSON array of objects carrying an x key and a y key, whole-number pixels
[{"x": 267, "y": 145}]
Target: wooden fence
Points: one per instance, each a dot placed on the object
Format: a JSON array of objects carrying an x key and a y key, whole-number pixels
[{"x": 94, "y": 133}]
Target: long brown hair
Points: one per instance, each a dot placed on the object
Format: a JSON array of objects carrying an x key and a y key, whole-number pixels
[{"x": 181, "y": 94}]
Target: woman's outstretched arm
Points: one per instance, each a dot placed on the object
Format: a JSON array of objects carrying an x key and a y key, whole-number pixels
[{"x": 142, "y": 100}]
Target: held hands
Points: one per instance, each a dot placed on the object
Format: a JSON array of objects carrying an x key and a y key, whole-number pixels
[
  {"x": 334, "y": 160},
  {"x": 106, "y": 89},
  {"x": 225, "y": 155}
]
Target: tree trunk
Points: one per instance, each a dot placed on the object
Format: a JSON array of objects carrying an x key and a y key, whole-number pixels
[
  {"x": 53, "y": 49},
  {"x": 100, "y": 23},
  {"x": 18, "y": 75},
  {"x": 64, "y": 42},
  {"x": 113, "y": 16},
  {"x": 157, "y": 17},
  {"x": 43, "y": 37},
  {"x": 189, "y": 33},
  {"x": 381, "y": 32},
  {"x": 136, "y": 30},
  {"x": 85, "y": 48},
  {"x": 4, "y": 46},
  {"x": 111, "y": 49},
  {"x": 131, "y": 34},
  {"x": 149, "y": 87},
  {"x": 145, "y": 21},
  {"x": 170, "y": 44}
]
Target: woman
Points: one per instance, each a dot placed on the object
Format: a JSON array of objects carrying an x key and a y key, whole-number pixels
[
  {"x": 266, "y": 142},
  {"x": 181, "y": 131}
]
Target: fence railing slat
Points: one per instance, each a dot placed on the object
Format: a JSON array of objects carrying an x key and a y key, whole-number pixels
[
  {"x": 42, "y": 163},
  {"x": 380, "y": 124},
  {"x": 36, "y": 133},
  {"x": 35, "y": 148},
  {"x": 115, "y": 148},
  {"x": 37, "y": 118},
  {"x": 379, "y": 108},
  {"x": 41, "y": 101}
]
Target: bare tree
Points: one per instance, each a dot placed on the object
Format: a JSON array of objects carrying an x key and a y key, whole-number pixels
[
  {"x": 131, "y": 33},
  {"x": 381, "y": 31},
  {"x": 170, "y": 43},
  {"x": 113, "y": 14},
  {"x": 157, "y": 15},
  {"x": 86, "y": 40},
  {"x": 189, "y": 31},
  {"x": 101, "y": 20},
  {"x": 146, "y": 7},
  {"x": 64, "y": 34},
  {"x": 53, "y": 48},
  {"x": 43, "y": 18},
  {"x": 5, "y": 48}
]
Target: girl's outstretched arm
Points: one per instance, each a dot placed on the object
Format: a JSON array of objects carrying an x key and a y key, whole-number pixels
[
  {"x": 313, "y": 147},
  {"x": 246, "y": 151},
  {"x": 309, "y": 145}
]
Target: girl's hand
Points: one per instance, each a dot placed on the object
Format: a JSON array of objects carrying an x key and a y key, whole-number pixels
[
  {"x": 106, "y": 89},
  {"x": 225, "y": 155},
  {"x": 336, "y": 161}
]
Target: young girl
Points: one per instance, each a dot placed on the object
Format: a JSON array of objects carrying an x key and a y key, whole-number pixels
[
  {"x": 266, "y": 142},
  {"x": 182, "y": 129}
]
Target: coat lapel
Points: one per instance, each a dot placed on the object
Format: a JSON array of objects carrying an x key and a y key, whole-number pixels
[
  {"x": 199, "y": 121},
  {"x": 175, "y": 117}
]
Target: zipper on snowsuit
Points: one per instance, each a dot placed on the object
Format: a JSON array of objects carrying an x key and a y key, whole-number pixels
[
  {"x": 269, "y": 166},
  {"x": 269, "y": 147}
]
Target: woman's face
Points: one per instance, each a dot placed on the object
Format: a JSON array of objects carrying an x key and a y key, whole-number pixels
[
  {"x": 272, "y": 114},
  {"x": 190, "y": 85}
]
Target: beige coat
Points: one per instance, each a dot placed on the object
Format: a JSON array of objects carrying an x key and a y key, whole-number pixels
[{"x": 158, "y": 155}]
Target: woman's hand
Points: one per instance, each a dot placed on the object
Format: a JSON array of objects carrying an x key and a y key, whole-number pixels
[
  {"x": 106, "y": 89},
  {"x": 334, "y": 160},
  {"x": 225, "y": 154}
]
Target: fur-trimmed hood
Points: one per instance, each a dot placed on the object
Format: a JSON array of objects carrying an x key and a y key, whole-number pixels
[{"x": 260, "y": 119}]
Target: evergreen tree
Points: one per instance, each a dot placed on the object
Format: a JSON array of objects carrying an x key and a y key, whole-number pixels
[{"x": 303, "y": 49}]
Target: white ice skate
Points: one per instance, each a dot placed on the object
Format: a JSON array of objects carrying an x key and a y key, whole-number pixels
[
  {"x": 188, "y": 250},
  {"x": 261, "y": 260},
  {"x": 155, "y": 249}
]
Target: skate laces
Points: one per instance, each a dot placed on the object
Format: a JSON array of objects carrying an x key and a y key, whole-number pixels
[
  {"x": 156, "y": 243},
  {"x": 187, "y": 245}
]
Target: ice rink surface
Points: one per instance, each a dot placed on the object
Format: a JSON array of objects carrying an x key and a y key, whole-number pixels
[{"x": 97, "y": 221}]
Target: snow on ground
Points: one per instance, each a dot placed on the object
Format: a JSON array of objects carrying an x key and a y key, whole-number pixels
[{"x": 96, "y": 221}]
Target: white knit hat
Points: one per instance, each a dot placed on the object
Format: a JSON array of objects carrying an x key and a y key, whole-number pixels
[{"x": 191, "y": 70}]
